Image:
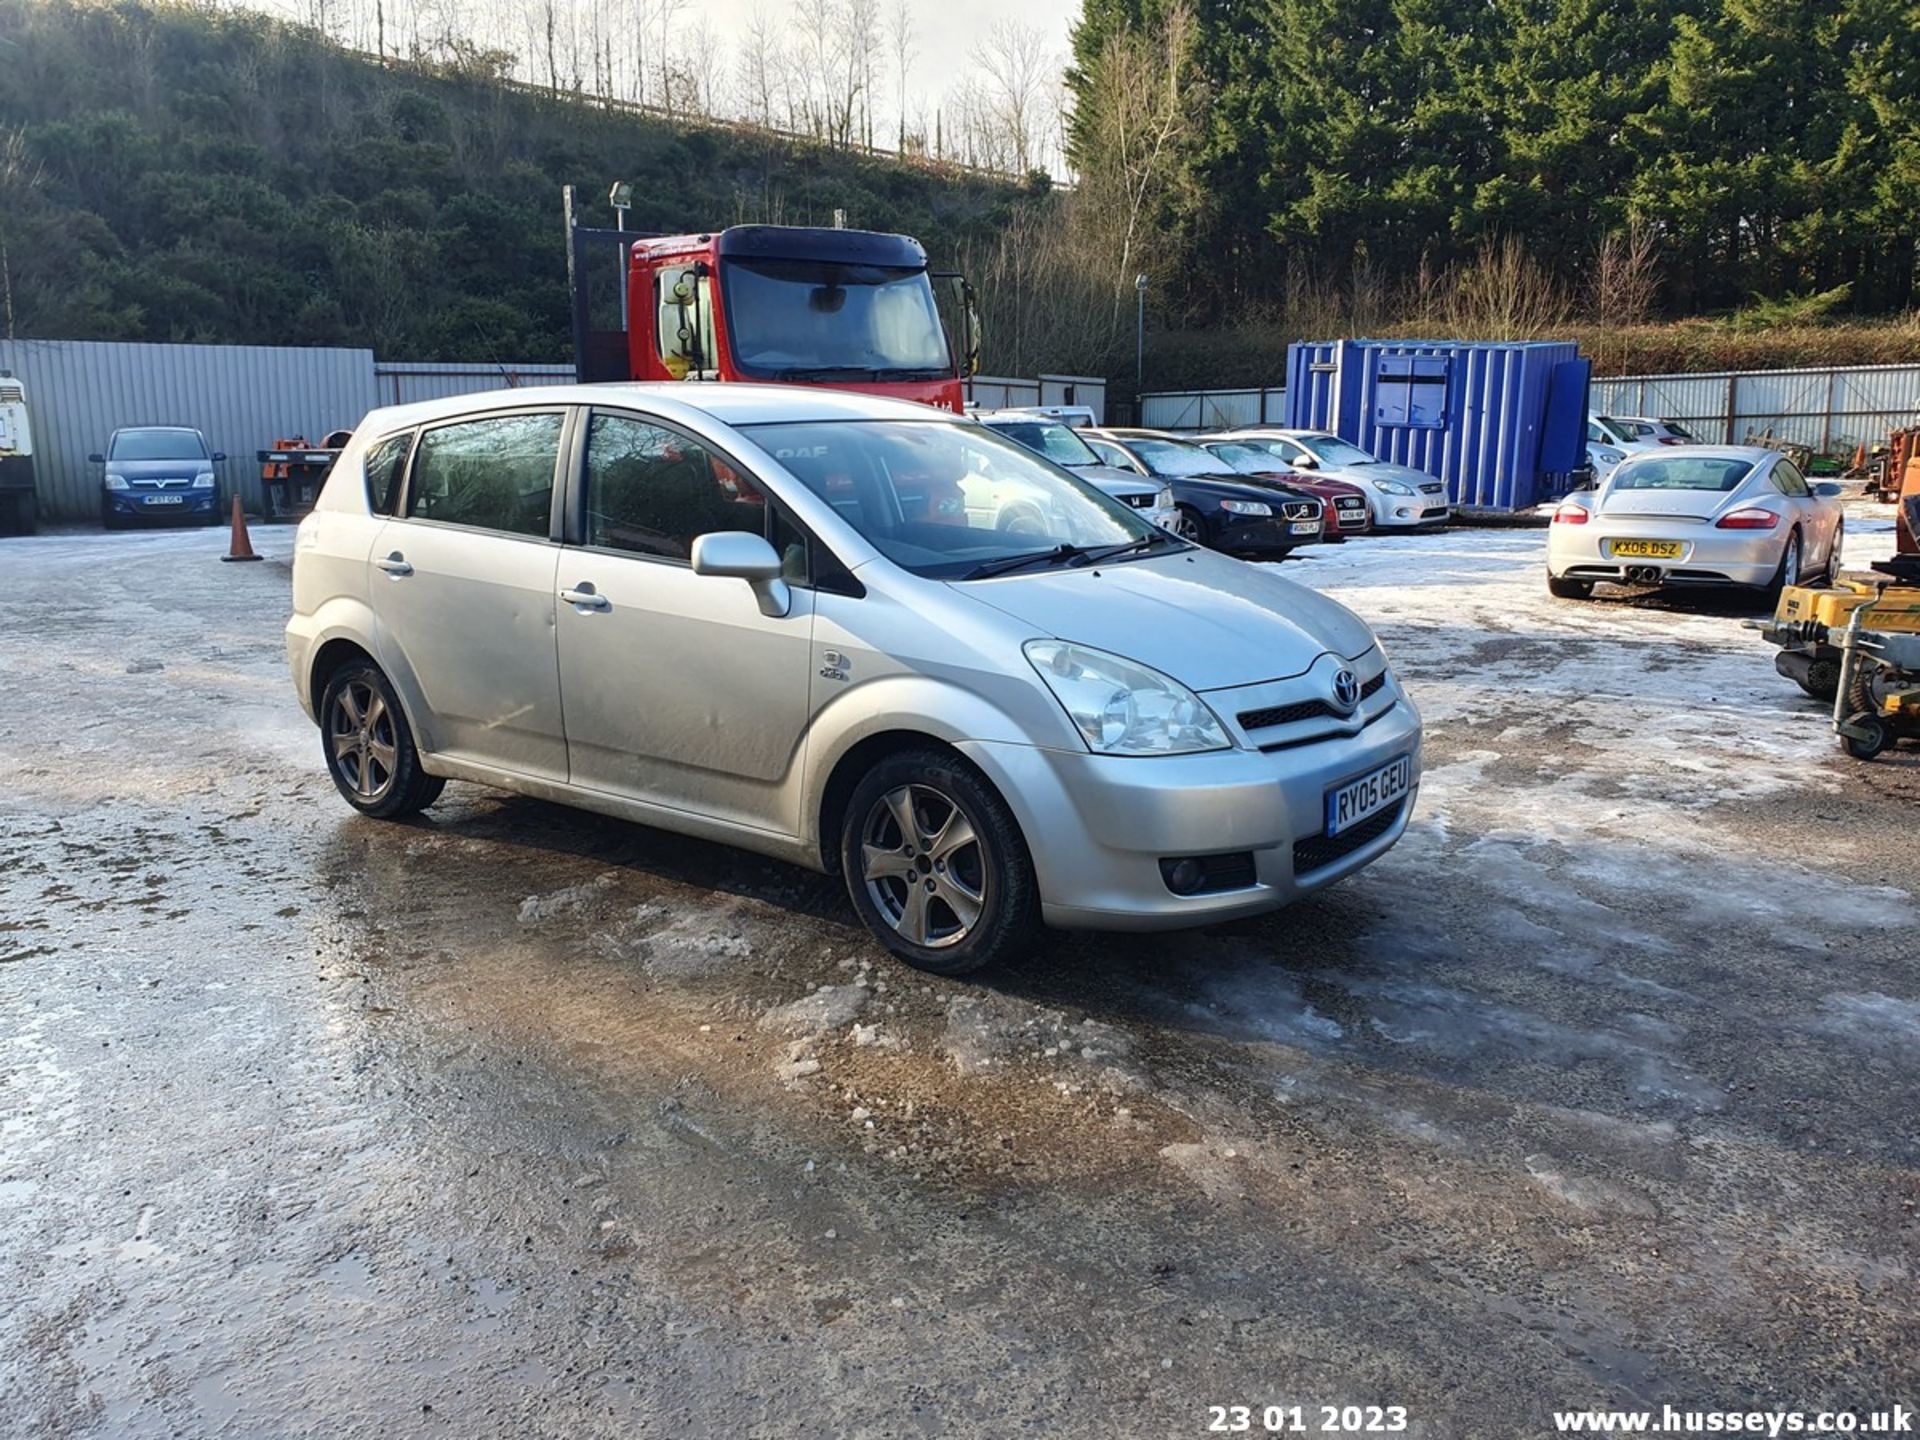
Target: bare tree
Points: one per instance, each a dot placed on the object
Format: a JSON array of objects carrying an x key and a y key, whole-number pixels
[
  {"x": 20, "y": 176},
  {"x": 1140, "y": 108},
  {"x": 900, "y": 40},
  {"x": 1017, "y": 76},
  {"x": 757, "y": 68}
]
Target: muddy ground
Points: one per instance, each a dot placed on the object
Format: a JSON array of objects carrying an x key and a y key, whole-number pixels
[{"x": 1600, "y": 1089}]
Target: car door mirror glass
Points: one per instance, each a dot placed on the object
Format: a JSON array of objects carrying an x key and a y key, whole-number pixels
[
  {"x": 1828, "y": 490},
  {"x": 219, "y": 455},
  {"x": 96, "y": 458},
  {"x": 1305, "y": 462}
]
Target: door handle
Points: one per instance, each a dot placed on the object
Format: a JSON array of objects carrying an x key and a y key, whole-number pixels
[
  {"x": 585, "y": 597},
  {"x": 394, "y": 564}
]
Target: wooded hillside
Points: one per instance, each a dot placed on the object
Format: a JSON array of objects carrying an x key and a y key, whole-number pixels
[{"x": 180, "y": 174}]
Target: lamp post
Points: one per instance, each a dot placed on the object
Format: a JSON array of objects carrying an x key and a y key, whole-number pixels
[
  {"x": 1140, "y": 334},
  {"x": 620, "y": 197}
]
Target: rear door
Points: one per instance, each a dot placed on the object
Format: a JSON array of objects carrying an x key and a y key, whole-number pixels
[
  {"x": 678, "y": 690},
  {"x": 463, "y": 586}
]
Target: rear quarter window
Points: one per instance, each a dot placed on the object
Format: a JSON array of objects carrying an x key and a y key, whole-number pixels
[{"x": 384, "y": 464}]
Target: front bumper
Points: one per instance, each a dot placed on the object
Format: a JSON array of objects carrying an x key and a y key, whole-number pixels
[
  {"x": 160, "y": 504},
  {"x": 1258, "y": 534},
  {"x": 1098, "y": 826},
  {"x": 1707, "y": 556},
  {"x": 1407, "y": 512}
]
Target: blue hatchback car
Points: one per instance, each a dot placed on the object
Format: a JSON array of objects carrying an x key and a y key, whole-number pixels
[{"x": 158, "y": 472}]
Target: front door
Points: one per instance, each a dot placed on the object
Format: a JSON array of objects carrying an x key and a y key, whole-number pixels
[
  {"x": 463, "y": 584},
  {"x": 678, "y": 691}
]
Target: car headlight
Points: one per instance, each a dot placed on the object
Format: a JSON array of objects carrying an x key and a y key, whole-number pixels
[
  {"x": 116, "y": 482},
  {"x": 1392, "y": 487},
  {"x": 203, "y": 481},
  {"x": 1121, "y": 707},
  {"x": 1164, "y": 500},
  {"x": 1246, "y": 507}
]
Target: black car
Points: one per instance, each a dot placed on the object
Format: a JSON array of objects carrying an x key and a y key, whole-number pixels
[{"x": 1217, "y": 508}]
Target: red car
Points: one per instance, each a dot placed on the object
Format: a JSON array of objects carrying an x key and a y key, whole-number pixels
[{"x": 1345, "y": 504}]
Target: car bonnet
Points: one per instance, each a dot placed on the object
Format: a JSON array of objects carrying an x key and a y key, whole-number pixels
[{"x": 1207, "y": 621}]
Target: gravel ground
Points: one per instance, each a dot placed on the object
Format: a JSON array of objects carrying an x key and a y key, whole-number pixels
[{"x": 1600, "y": 1089}]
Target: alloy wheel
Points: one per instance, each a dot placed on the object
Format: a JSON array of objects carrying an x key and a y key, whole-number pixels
[
  {"x": 1187, "y": 527},
  {"x": 923, "y": 865},
  {"x": 1790, "y": 563},
  {"x": 362, "y": 741}
]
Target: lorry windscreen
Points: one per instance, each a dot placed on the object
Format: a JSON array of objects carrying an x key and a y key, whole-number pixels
[{"x": 824, "y": 320}]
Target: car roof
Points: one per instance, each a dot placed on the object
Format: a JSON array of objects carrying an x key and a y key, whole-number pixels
[
  {"x": 1752, "y": 454},
  {"x": 731, "y": 404},
  {"x": 155, "y": 430}
]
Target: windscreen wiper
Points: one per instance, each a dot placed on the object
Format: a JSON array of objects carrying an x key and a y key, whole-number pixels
[
  {"x": 823, "y": 372},
  {"x": 1114, "y": 552},
  {"x": 1059, "y": 553}
]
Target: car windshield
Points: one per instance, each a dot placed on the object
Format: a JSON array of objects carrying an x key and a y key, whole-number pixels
[
  {"x": 947, "y": 499},
  {"x": 1048, "y": 437},
  {"x": 1173, "y": 457},
  {"x": 1675, "y": 428},
  {"x": 1333, "y": 451},
  {"x": 1245, "y": 459},
  {"x": 158, "y": 445},
  {"x": 1682, "y": 472},
  {"x": 822, "y": 319}
]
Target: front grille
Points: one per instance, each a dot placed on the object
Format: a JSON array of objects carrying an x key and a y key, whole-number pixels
[
  {"x": 1431, "y": 489},
  {"x": 176, "y": 484},
  {"x": 1301, "y": 509},
  {"x": 1304, "y": 709},
  {"x": 1316, "y": 852},
  {"x": 1141, "y": 502},
  {"x": 1285, "y": 714},
  {"x": 1351, "y": 502}
]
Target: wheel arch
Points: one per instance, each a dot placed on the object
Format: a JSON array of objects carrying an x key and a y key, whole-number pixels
[{"x": 856, "y": 761}]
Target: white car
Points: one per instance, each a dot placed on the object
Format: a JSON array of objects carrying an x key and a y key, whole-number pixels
[
  {"x": 1636, "y": 432},
  {"x": 1059, "y": 442},
  {"x": 1702, "y": 515},
  {"x": 1602, "y": 458},
  {"x": 1398, "y": 496}
]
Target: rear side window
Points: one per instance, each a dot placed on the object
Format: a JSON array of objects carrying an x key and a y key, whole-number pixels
[
  {"x": 384, "y": 465},
  {"x": 1788, "y": 479},
  {"x": 653, "y": 490},
  {"x": 492, "y": 474}
]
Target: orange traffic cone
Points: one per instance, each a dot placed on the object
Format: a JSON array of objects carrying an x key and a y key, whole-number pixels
[
  {"x": 1860, "y": 456},
  {"x": 241, "y": 547}
]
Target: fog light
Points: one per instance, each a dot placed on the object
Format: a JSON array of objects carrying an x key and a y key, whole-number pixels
[
  {"x": 1403, "y": 512},
  {"x": 1185, "y": 876}
]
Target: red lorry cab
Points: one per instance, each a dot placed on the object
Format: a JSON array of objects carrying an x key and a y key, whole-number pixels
[{"x": 779, "y": 304}]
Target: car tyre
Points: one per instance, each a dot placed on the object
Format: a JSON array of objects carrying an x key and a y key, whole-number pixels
[
  {"x": 1190, "y": 526},
  {"x": 1562, "y": 588},
  {"x": 957, "y": 893},
  {"x": 1833, "y": 552},
  {"x": 1789, "y": 571},
  {"x": 369, "y": 746}
]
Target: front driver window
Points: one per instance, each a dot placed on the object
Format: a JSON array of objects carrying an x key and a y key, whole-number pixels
[{"x": 653, "y": 490}]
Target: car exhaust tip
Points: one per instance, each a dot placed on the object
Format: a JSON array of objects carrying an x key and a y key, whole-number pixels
[{"x": 1643, "y": 574}]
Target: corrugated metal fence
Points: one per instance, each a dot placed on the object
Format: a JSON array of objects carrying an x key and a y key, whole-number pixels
[
  {"x": 1830, "y": 410},
  {"x": 244, "y": 397},
  {"x": 241, "y": 397},
  {"x": 1205, "y": 410}
]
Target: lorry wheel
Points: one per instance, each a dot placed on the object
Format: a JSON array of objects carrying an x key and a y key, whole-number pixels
[
  {"x": 1563, "y": 589},
  {"x": 1875, "y": 735}
]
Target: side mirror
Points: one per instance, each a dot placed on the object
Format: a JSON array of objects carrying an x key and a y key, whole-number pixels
[
  {"x": 738, "y": 555},
  {"x": 1305, "y": 462},
  {"x": 218, "y": 456},
  {"x": 1829, "y": 490},
  {"x": 96, "y": 458}
]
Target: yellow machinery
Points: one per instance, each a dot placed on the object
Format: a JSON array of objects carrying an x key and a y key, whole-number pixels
[{"x": 1806, "y": 619}]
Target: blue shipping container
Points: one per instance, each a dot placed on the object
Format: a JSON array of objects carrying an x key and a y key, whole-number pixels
[{"x": 1504, "y": 425}]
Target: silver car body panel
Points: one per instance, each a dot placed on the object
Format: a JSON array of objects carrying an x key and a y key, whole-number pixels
[{"x": 680, "y": 705}]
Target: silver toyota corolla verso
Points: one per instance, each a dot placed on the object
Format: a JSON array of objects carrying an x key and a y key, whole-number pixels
[{"x": 804, "y": 622}]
